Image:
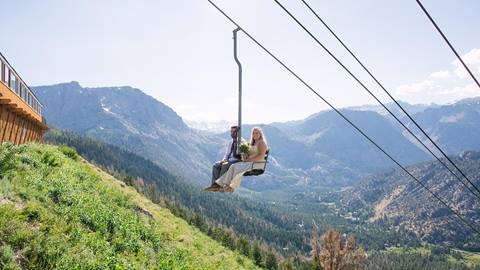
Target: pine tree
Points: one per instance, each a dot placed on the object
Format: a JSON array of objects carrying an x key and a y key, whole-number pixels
[
  {"x": 257, "y": 254},
  {"x": 243, "y": 246},
  {"x": 228, "y": 241},
  {"x": 271, "y": 262},
  {"x": 287, "y": 264}
]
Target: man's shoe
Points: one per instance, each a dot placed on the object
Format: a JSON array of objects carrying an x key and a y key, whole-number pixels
[
  {"x": 214, "y": 187},
  {"x": 227, "y": 189}
]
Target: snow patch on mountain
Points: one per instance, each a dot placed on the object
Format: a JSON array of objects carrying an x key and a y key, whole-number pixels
[{"x": 452, "y": 118}]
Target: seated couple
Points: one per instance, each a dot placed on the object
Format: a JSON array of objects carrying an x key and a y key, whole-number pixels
[{"x": 227, "y": 173}]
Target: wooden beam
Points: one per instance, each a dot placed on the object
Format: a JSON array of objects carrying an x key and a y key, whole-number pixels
[
  {"x": 27, "y": 134},
  {"x": 5, "y": 118},
  {"x": 14, "y": 128},
  {"x": 11, "y": 123},
  {"x": 32, "y": 133},
  {"x": 18, "y": 135},
  {"x": 3, "y": 121},
  {"x": 24, "y": 138}
]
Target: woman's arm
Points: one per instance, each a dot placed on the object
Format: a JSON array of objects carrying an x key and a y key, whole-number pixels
[{"x": 260, "y": 156}]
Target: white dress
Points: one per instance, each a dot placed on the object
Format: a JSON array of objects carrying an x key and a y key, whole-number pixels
[{"x": 233, "y": 177}]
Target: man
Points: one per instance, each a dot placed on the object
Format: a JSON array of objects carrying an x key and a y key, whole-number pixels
[{"x": 230, "y": 157}]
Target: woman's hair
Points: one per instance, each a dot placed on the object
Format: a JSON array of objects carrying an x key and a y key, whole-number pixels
[{"x": 262, "y": 136}]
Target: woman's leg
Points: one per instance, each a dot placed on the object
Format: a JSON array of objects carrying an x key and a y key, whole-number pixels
[
  {"x": 233, "y": 177},
  {"x": 238, "y": 175},
  {"x": 226, "y": 178}
]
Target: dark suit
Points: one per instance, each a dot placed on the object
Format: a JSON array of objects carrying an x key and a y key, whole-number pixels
[{"x": 230, "y": 156}]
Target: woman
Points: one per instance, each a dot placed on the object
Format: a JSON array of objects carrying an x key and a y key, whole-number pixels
[{"x": 233, "y": 177}]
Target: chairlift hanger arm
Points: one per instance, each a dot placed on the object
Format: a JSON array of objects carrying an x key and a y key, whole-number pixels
[{"x": 239, "y": 130}]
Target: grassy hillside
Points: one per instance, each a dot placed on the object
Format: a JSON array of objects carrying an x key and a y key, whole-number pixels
[{"x": 58, "y": 211}]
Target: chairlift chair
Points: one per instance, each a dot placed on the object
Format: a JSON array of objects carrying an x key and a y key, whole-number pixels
[{"x": 258, "y": 167}]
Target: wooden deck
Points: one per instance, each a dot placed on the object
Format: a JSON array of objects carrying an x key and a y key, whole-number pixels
[{"x": 20, "y": 118}]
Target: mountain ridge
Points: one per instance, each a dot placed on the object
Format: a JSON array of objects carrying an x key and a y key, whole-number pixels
[{"x": 320, "y": 150}]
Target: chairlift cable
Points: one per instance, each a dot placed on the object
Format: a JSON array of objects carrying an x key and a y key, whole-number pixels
[
  {"x": 345, "y": 118},
  {"x": 448, "y": 42},
  {"x": 381, "y": 103}
]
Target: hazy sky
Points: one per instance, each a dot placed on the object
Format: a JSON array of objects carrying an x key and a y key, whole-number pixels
[{"x": 181, "y": 52}]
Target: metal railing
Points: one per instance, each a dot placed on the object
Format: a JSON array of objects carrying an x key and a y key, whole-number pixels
[{"x": 10, "y": 78}]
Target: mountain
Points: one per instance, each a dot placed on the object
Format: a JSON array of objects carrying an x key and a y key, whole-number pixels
[
  {"x": 127, "y": 117},
  {"x": 57, "y": 211},
  {"x": 452, "y": 126},
  {"x": 398, "y": 200},
  {"x": 329, "y": 136},
  {"x": 319, "y": 151},
  {"x": 210, "y": 127},
  {"x": 410, "y": 108},
  {"x": 455, "y": 127}
]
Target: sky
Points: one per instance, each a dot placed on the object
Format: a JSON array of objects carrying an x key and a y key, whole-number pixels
[{"x": 181, "y": 52}]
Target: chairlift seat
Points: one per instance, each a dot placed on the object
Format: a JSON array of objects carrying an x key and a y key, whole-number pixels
[{"x": 258, "y": 167}]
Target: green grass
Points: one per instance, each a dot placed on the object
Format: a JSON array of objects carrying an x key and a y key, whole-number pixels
[
  {"x": 425, "y": 251},
  {"x": 469, "y": 259},
  {"x": 59, "y": 212}
]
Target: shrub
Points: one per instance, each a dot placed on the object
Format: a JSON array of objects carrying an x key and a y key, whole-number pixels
[
  {"x": 7, "y": 156},
  {"x": 69, "y": 152},
  {"x": 49, "y": 159},
  {"x": 7, "y": 260}
]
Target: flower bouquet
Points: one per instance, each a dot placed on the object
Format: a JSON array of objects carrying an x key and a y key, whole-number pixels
[{"x": 244, "y": 150}]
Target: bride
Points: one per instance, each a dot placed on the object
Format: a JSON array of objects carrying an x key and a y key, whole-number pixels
[{"x": 233, "y": 177}]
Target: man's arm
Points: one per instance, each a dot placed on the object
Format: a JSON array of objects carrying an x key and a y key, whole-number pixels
[{"x": 227, "y": 151}]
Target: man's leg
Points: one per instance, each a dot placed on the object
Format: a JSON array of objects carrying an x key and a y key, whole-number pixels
[
  {"x": 216, "y": 169},
  {"x": 226, "y": 166}
]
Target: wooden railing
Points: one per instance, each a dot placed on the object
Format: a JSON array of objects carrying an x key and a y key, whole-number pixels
[
  {"x": 21, "y": 118},
  {"x": 10, "y": 78}
]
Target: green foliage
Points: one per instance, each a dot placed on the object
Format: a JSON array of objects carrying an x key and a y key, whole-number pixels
[
  {"x": 271, "y": 262},
  {"x": 244, "y": 148},
  {"x": 58, "y": 213},
  {"x": 6, "y": 158},
  {"x": 50, "y": 159},
  {"x": 7, "y": 260},
  {"x": 243, "y": 246},
  {"x": 69, "y": 152},
  {"x": 287, "y": 264},
  {"x": 430, "y": 257},
  {"x": 257, "y": 255},
  {"x": 228, "y": 241}
]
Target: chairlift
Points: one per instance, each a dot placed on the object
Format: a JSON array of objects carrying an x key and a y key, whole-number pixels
[{"x": 258, "y": 167}]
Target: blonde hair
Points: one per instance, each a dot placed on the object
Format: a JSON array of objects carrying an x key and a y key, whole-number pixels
[{"x": 262, "y": 135}]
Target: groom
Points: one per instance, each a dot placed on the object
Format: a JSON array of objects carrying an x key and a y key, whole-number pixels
[{"x": 230, "y": 157}]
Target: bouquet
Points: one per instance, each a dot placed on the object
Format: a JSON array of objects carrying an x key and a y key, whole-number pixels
[{"x": 244, "y": 150}]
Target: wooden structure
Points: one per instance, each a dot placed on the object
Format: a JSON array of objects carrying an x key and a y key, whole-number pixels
[{"x": 21, "y": 118}]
